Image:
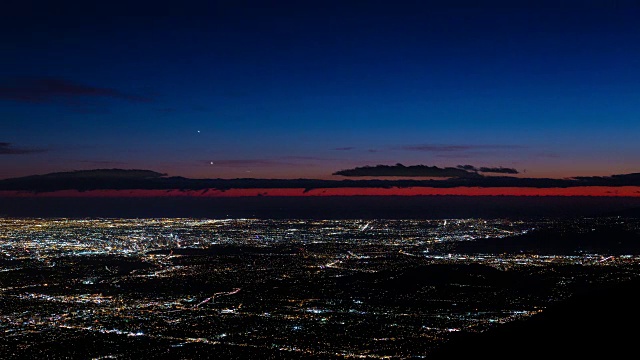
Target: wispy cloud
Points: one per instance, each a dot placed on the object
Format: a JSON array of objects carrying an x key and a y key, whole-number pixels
[
  {"x": 451, "y": 178},
  {"x": 313, "y": 158},
  {"x": 244, "y": 163},
  {"x": 401, "y": 170},
  {"x": 291, "y": 160},
  {"x": 8, "y": 149},
  {"x": 498, "y": 170},
  {"x": 464, "y": 171},
  {"x": 346, "y": 148},
  {"x": 436, "y": 148},
  {"x": 484, "y": 169},
  {"x": 102, "y": 162},
  {"x": 546, "y": 155},
  {"x": 51, "y": 89},
  {"x": 455, "y": 155}
]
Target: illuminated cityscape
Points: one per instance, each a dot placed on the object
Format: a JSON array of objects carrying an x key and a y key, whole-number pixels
[
  {"x": 319, "y": 180},
  {"x": 190, "y": 288}
]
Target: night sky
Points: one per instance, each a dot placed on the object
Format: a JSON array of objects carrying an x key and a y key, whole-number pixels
[{"x": 302, "y": 89}]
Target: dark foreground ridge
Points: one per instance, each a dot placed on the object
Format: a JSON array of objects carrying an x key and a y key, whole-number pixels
[
  {"x": 592, "y": 324},
  {"x": 597, "y": 239}
]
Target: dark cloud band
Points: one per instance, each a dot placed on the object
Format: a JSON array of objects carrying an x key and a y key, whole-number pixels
[
  {"x": 401, "y": 170},
  {"x": 8, "y": 149},
  {"x": 48, "y": 89},
  {"x": 483, "y": 169},
  {"x": 145, "y": 179}
]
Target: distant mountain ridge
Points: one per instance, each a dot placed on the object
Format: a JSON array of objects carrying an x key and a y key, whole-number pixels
[
  {"x": 605, "y": 239},
  {"x": 97, "y": 173}
]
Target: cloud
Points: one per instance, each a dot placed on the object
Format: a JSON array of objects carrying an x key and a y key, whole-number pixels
[
  {"x": 50, "y": 89},
  {"x": 455, "y": 148},
  {"x": 497, "y": 170},
  {"x": 435, "y": 148},
  {"x": 244, "y": 163},
  {"x": 7, "y": 149},
  {"x": 146, "y": 179},
  {"x": 546, "y": 155},
  {"x": 632, "y": 179},
  {"x": 314, "y": 158},
  {"x": 455, "y": 155},
  {"x": 346, "y": 148},
  {"x": 401, "y": 170},
  {"x": 467, "y": 167},
  {"x": 102, "y": 162},
  {"x": 291, "y": 161}
]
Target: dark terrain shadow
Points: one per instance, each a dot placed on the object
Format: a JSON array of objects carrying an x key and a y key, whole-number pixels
[{"x": 599, "y": 323}]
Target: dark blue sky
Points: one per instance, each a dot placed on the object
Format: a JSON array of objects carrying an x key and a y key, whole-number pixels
[{"x": 305, "y": 88}]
